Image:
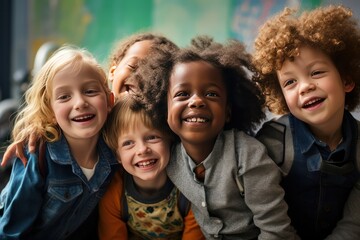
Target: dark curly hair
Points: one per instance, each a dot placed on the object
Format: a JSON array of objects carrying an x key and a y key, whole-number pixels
[
  {"x": 231, "y": 58},
  {"x": 332, "y": 29}
]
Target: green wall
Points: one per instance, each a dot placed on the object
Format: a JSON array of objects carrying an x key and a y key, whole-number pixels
[{"x": 98, "y": 24}]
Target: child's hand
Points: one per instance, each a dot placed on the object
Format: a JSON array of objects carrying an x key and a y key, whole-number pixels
[{"x": 17, "y": 150}]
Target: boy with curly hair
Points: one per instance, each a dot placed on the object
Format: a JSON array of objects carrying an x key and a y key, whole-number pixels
[{"x": 309, "y": 70}]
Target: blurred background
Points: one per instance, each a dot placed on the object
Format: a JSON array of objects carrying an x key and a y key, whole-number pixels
[
  {"x": 26, "y": 25},
  {"x": 32, "y": 29}
]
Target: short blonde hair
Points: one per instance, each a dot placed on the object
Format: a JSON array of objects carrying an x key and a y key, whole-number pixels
[
  {"x": 36, "y": 116},
  {"x": 124, "y": 116}
]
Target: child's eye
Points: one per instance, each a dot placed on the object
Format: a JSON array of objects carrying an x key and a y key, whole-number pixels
[
  {"x": 127, "y": 143},
  {"x": 212, "y": 94},
  {"x": 289, "y": 82},
  {"x": 63, "y": 97},
  {"x": 133, "y": 67},
  {"x": 91, "y": 92},
  {"x": 317, "y": 73},
  {"x": 181, "y": 94},
  {"x": 153, "y": 138}
]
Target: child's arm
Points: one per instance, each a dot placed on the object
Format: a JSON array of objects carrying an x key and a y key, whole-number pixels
[
  {"x": 349, "y": 226},
  {"x": 191, "y": 228},
  {"x": 111, "y": 225},
  {"x": 263, "y": 193},
  {"x": 21, "y": 199}
]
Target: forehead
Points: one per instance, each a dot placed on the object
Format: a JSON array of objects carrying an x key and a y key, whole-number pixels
[
  {"x": 83, "y": 70},
  {"x": 139, "y": 49},
  {"x": 307, "y": 57},
  {"x": 71, "y": 75},
  {"x": 196, "y": 72}
]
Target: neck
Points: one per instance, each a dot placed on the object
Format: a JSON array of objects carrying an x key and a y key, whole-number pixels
[
  {"x": 84, "y": 151},
  {"x": 331, "y": 134},
  {"x": 199, "y": 152},
  {"x": 332, "y": 140}
]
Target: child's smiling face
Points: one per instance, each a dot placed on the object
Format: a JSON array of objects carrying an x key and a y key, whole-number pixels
[
  {"x": 80, "y": 104},
  {"x": 119, "y": 74},
  {"x": 197, "y": 104},
  {"x": 313, "y": 87},
  {"x": 144, "y": 153}
]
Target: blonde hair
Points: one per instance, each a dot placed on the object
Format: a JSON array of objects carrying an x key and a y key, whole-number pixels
[
  {"x": 332, "y": 29},
  {"x": 37, "y": 116},
  {"x": 124, "y": 117}
]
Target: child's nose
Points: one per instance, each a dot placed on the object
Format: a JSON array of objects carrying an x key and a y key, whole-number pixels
[
  {"x": 196, "y": 101},
  {"x": 80, "y": 102},
  {"x": 143, "y": 149},
  {"x": 306, "y": 86}
]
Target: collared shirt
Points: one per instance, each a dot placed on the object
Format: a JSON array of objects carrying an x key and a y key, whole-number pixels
[
  {"x": 54, "y": 207},
  {"x": 316, "y": 150},
  {"x": 218, "y": 204}
]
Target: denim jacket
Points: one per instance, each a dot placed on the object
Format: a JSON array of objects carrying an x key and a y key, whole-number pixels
[{"x": 52, "y": 206}]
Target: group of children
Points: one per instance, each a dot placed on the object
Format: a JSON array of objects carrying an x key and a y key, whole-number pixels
[{"x": 183, "y": 130}]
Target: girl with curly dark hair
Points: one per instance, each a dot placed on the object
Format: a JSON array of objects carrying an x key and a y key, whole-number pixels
[
  {"x": 309, "y": 69},
  {"x": 204, "y": 93}
]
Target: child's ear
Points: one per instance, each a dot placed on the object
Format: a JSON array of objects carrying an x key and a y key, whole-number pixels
[
  {"x": 348, "y": 84},
  {"x": 111, "y": 101},
  {"x": 111, "y": 73},
  {"x": 118, "y": 156}
]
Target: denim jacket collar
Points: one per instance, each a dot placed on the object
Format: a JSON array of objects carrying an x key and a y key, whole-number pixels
[
  {"x": 60, "y": 153},
  {"x": 309, "y": 145}
]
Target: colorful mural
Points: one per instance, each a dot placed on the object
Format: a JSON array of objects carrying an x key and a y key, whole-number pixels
[{"x": 96, "y": 25}]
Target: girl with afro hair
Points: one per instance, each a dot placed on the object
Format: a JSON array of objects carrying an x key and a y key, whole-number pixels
[{"x": 205, "y": 95}]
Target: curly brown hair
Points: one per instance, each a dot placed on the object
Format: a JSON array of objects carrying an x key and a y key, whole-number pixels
[
  {"x": 332, "y": 29},
  {"x": 231, "y": 58},
  {"x": 121, "y": 47}
]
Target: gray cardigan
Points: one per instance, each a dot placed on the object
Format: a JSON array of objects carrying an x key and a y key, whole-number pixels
[{"x": 218, "y": 205}]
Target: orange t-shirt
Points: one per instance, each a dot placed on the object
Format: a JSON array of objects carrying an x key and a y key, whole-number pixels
[{"x": 111, "y": 224}]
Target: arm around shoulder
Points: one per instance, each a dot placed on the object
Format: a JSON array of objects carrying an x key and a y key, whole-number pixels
[{"x": 24, "y": 187}]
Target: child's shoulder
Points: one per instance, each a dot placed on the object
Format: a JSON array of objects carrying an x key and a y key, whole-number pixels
[
  {"x": 115, "y": 189},
  {"x": 276, "y": 135},
  {"x": 117, "y": 180},
  {"x": 240, "y": 139}
]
